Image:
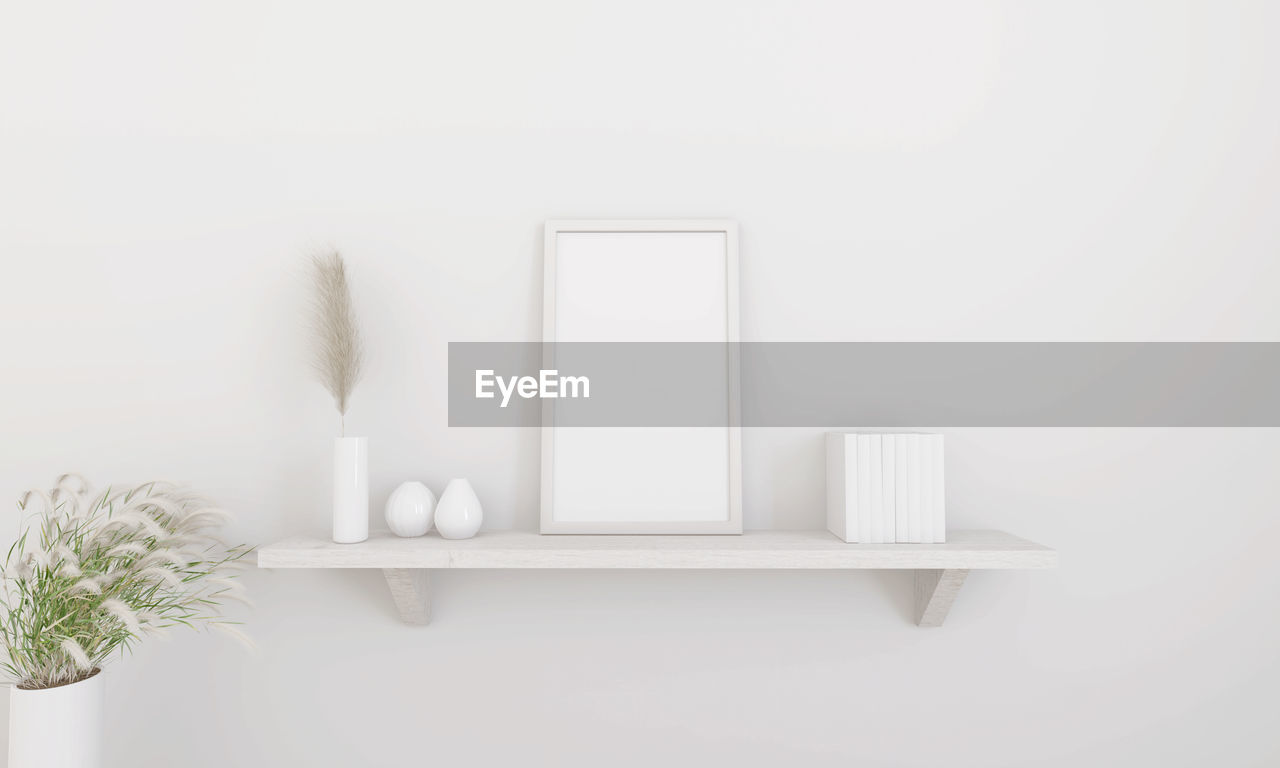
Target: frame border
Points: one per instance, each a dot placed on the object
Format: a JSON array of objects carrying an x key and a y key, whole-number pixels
[{"x": 733, "y": 525}]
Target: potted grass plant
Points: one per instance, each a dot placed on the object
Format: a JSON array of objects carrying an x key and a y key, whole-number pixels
[{"x": 91, "y": 575}]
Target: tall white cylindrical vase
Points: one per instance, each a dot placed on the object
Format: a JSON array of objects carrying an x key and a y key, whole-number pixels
[
  {"x": 57, "y": 727},
  {"x": 350, "y": 489}
]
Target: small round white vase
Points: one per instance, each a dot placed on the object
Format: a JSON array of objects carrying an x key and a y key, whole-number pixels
[
  {"x": 458, "y": 515},
  {"x": 57, "y": 727},
  {"x": 410, "y": 509}
]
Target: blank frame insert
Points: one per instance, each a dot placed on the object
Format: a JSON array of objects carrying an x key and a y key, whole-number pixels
[{"x": 650, "y": 281}]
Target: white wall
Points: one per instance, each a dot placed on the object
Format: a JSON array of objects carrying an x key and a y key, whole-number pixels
[{"x": 926, "y": 171}]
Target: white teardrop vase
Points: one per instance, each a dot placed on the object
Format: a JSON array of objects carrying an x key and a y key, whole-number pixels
[{"x": 458, "y": 515}]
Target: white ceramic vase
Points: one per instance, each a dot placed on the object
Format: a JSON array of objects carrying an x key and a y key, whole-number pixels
[
  {"x": 458, "y": 515},
  {"x": 57, "y": 727},
  {"x": 410, "y": 509},
  {"x": 350, "y": 490}
]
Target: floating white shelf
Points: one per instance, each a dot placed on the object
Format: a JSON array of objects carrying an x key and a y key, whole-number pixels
[{"x": 940, "y": 569}]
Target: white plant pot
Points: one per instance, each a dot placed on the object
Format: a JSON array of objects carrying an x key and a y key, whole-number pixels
[
  {"x": 350, "y": 489},
  {"x": 458, "y": 515},
  {"x": 410, "y": 509},
  {"x": 57, "y": 727}
]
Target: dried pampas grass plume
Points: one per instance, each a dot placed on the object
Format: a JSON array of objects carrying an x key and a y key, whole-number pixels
[{"x": 339, "y": 353}]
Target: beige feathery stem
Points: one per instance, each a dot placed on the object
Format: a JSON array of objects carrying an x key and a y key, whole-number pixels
[{"x": 339, "y": 353}]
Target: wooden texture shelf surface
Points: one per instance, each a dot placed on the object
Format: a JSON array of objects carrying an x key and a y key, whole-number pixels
[
  {"x": 754, "y": 549},
  {"x": 940, "y": 569}
]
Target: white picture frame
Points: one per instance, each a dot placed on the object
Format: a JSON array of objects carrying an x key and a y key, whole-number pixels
[{"x": 660, "y": 480}]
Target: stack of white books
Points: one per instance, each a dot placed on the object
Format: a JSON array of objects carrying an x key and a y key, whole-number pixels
[{"x": 886, "y": 488}]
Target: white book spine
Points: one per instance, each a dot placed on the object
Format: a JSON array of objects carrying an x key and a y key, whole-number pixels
[
  {"x": 875, "y": 478},
  {"x": 863, "y": 472},
  {"x": 939, "y": 492},
  {"x": 926, "y": 489},
  {"x": 913, "y": 489},
  {"x": 901, "y": 483},
  {"x": 837, "y": 513},
  {"x": 886, "y": 488},
  {"x": 889, "y": 474}
]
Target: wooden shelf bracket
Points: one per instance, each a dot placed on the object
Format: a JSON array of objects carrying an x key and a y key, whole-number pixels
[
  {"x": 936, "y": 590},
  {"x": 410, "y": 588}
]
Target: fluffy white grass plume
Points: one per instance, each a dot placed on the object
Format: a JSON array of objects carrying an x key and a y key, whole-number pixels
[
  {"x": 128, "y": 549},
  {"x": 92, "y": 573},
  {"x": 232, "y": 631},
  {"x": 86, "y": 587},
  {"x": 339, "y": 352},
  {"x": 124, "y": 613},
  {"x": 135, "y": 519},
  {"x": 172, "y": 557},
  {"x": 77, "y": 655},
  {"x": 161, "y": 575}
]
